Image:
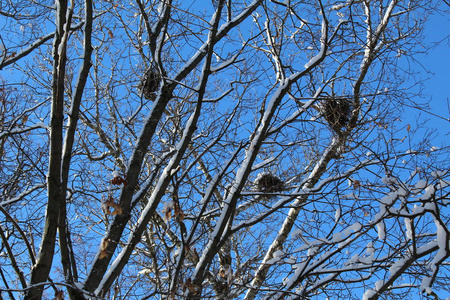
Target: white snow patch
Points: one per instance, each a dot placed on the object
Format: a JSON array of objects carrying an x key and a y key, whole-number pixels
[
  {"x": 389, "y": 180},
  {"x": 278, "y": 254},
  {"x": 312, "y": 251},
  {"x": 420, "y": 184},
  {"x": 352, "y": 260},
  {"x": 350, "y": 196},
  {"x": 369, "y": 294},
  {"x": 337, "y": 236},
  {"x": 144, "y": 272},
  {"x": 78, "y": 285},
  {"x": 313, "y": 60},
  {"x": 396, "y": 266},
  {"x": 408, "y": 228},
  {"x": 381, "y": 230},
  {"x": 425, "y": 285},
  {"x": 262, "y": 164},
  {"x": 367, "y": 260},
  {"x": 168, "y": 205},
  {"x": 369, "y": 248},
  {"x": 387, "y": 200},
  {"x": 442, "y": 241},
  {"x": 354, "y": 227},
  {"x": 434, "y": 148},
  {"x": 316, "y": 58},
  {"x": 429, "y": 191},
  {"x": 379, "y": 284},
  {"x": 337, "y": 215},
  {"x": 296, "y": 233},
  {"x": 437, "y": 174},
  {"x": 291, "y": 260},
  {"x": 272, "y": 261}
]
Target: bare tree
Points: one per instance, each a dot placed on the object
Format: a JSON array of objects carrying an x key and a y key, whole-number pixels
[{"x": 224, "y": 150}]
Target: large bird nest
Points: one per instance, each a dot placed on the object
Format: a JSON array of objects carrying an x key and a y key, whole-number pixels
[
  {"x": 268, "y": 183},
  {"x": 337, "y": 112},
  {"x": 150, "y": 83}
]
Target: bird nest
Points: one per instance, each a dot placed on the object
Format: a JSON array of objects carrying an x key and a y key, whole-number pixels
[
  {"x": 268, "y": 183},
  {"x": 150, "y": 83},
  {"x": 337, "y": 112}
]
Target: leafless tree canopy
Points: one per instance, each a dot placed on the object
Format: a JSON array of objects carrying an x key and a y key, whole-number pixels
[{"x": 226, "y": 149}]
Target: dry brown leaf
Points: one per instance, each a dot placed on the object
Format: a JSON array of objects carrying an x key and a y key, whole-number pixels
[
  {"x": 103, "y": 254},
  {"x": 190, "y": 286},
  {"x": 103, "y": 246},
  {"x": 408, "y": 127},
  {"x": 111, "y": 204},
  {"x": 222, "y": 272},
  {"x": 181, "y": 216},
  {"x": 167, "y": 215},
  {"x": 106, "y": 206},
  {"x": 195, "y": 256},
  {"x": 59, "y": 295},
  {"x": 117, "y": 209},
  {"x": 171, "y": 296},
  {"x": 178, "y": 213},
  {"x": 119, "y": 180}
]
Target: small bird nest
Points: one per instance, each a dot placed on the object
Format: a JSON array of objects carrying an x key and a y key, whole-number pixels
[
  {"x": 337, "y": 112},
  {"x": 268, "y": 183},
  {"x": 150, "y": 83}
]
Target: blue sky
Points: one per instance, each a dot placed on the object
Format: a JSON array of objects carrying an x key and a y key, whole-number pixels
[{"x": 437, "y": 62}]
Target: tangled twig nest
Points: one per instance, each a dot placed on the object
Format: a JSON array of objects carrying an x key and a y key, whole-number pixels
[
  {"x": 337, "y": 112},
  {"x": 150, "y": 83},
  {"x": 268, "y": 183}
]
